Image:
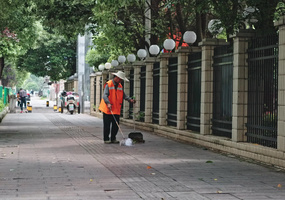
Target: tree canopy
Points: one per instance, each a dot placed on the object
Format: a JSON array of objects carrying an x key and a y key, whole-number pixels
[
  {"x": 53, "y": 56},
  {"x": 118, "y": 27}
]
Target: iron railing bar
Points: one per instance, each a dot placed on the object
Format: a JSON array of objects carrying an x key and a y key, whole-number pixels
[
  {"x": 227, "y": 55},
  {"x": 194, "y": 61},
  {"x": 171, "y": 114},
  {"x": 194, "y": 125},
  {"x": 267, "y": 128},
  {"x": 172, "y": 120},
  {"x": 193, "y": 68},
  {"x": 255, "y": 49},
  {"x": 195, "y": 118},
  {"x": 222, "y": 129},
  {"x": 262, "y": 58},
  {"x": 223, "y": 64},
  {"x": 222, "y": 121},
  {"x": 261, "y": 137}
]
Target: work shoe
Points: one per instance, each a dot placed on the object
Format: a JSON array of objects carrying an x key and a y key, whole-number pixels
[
  {"x": 115, "y": 141},
  {"x": 107, "y": 142}
]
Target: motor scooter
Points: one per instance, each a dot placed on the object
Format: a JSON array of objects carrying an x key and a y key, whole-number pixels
[{"x": 70, "y": 102}]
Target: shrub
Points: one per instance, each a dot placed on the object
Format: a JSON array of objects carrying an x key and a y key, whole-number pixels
[{"x": 2, "y": 105}]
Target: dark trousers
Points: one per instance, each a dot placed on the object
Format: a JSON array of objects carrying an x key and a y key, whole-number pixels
[
  {"x": 23, "y": 101},
  {"x": 107, "y": 121}
]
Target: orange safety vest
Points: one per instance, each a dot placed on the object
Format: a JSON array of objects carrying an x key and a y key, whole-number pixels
[{"x": 115, "y": 98}]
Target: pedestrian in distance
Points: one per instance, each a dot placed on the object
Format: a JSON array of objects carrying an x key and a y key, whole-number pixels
[
  {"x": 111, "y": 104},
  {"x": 18, "y": 99},
  {"x": 23, "y": 95}
]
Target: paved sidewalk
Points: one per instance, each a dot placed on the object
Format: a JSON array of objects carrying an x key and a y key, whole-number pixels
[{"x": 45, "y": 155}]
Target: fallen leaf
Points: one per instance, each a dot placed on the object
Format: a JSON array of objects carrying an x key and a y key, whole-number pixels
[
  {"x": 91, "y": 180},
  {"x": 279, "y": 185},
  {"x": 209, "y": 161},
  {"x": 148, "y": 167},
  {"x": 219, "y": 192},
  {"x": 215, "y": 179}
]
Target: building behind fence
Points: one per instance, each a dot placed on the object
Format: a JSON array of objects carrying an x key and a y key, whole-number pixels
[{"x": 225, "y": 96}]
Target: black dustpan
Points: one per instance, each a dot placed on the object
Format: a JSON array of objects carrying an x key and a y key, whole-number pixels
[{"x": 136, "y": 136}]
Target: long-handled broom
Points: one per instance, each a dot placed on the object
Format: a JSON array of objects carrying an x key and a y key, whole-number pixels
[{"x": 124, "y": 141}]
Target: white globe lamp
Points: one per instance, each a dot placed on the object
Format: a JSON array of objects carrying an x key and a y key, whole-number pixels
[
  {"x": 122, "y": 59},
  {"x": 212, "y": 26},
  {"x": 189, "y": 37},
  {"x": 114, "y": 63},
  {"x": 131, "y": 58},
  {"x": 141, "y": 53},
  {"x": 101, "y": 67},
  {"x": 108, "y": 65},
  {"x": 154, "y": 49},
  {"x": 169, "y": 44}
]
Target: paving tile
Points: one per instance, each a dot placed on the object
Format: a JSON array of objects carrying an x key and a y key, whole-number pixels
[{"x": 53, "y": 156}]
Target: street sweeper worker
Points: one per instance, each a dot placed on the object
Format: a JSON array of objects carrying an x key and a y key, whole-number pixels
[{"x": 111, "y": 104}]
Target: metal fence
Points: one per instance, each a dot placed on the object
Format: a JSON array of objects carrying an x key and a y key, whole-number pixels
[
  {"x": 140, "y": 115},
  {"x": 262, "y": 91},
  {"x": 222, "y": 91},
  {"x": 172, "y": 92},
  {"x": 194, "y": 91},
  {"x": 155, "y": 97}
]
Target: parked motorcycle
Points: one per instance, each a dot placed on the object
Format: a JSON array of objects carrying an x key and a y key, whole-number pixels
[{"x": 70, "y": 101}]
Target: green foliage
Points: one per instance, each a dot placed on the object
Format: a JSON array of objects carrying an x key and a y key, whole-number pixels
[
  {"x": 265, "y": 14},
  {"x": 33, "y": 83},
  {"x": 2, "y": 105},
  {"x": 53, "y": 56},
  {"x": 66, "y": 18},
  {"x": 95, "y": 58}
]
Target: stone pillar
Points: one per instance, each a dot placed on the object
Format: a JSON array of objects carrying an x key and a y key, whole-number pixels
[
  {"x": 163, "y": 88},
  {"x": 207, "y": 46},
  {"x": 92, "y": 86},
  {"x": 127, "y": 70},
  {"x": 240, "y": 85},
  {"x": 281, "y": 86},
  {"x": 182, "y": 87},
  {"x": 137, "y": 69},
  {"x": 104, "y": 80},
  {"x": 98, "y": 99},
  {"x": 149, "y": 89}
]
